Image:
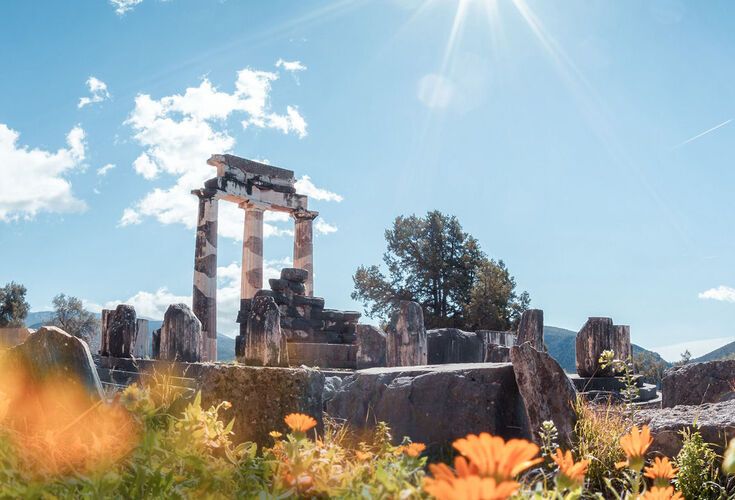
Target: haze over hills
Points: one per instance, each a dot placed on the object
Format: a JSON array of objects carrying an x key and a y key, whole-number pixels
[{"x": 726, "y": 351}]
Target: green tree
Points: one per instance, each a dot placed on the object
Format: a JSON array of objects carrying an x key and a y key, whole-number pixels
[
  {"x": 494, "y": 303},
  {"x": 433, "y": 261},
  {"x": 13, "y": 305},
  {"x": 650, "y": 367},
  {"x": 70, "y": 316}
]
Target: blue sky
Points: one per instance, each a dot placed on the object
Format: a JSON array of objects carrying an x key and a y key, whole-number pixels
[{"x": 586, "y": 143}]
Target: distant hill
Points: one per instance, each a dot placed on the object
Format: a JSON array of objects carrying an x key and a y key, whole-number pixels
[
  {"x": 225, "y": 344},
  {"x": 726, "y": 351},
  {"x": 562, "y": 347}
]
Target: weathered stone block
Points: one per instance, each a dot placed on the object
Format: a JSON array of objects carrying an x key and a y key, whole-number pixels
[
  {"x": 716, "y": 422},
  {"x": 262, "y": 397},
  {"x": 142, "y": 339},
  {"x": 51, "y": 352},
  {"x": 372, "y": 346},
  {"x": 433, "y": 404},
  {"x": 497, "y": 354},
  {"x": 407, "y": 344},
  {"x": 597, "y": 335},
  {"x": 698, "y": 383},
  {"x": 121, "y": 325},
  {"x": 181, "y": 335},
  {"x": 547, "y": 392},
  {"x": 294, "y": 274},
  {"x": 452, "y": 345},
  {"x": 322, "y": 355},
  {"x": 494, "y": 337},
  {"x": 531, "y": 329},
  {"x": 265, "y": 345},
  {"x": 156, "y": 344},
  {"x": 10, "y": 337}
]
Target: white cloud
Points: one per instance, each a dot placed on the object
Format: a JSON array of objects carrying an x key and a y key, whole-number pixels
[
  {"x": 305, "y": 186},
  {"x": 97, "y": 89},
  {"x": 722, "y": 293},
  {"x": 178, "y": 134},
  {"x": 292, "y": 66},
  {"x": 123, "y": 6},
  {"x": 34, "y": 180},
  {"x": 105, "y": 169},
  {"x": 324, "y": 227}
]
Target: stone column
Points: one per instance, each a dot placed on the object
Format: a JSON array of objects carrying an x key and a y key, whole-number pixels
[
  {"x": 406, "y": 342},
  {"x": 303, "y": 245},
  {"x": 252, "y": 251},
  {"x": 204, "y": 297},
  {"x": 531, "y": 329}
]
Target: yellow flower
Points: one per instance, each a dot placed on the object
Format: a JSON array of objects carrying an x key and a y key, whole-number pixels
[
  {"x": 657, "y": 493},
  {"x": 275, "y": 434},
  {"x": 661, "y": 471},
  {"x": 298, "y": 422},
  {"x": 363, "y": 455},
  {"x": 492, "y": 456},
  {"x": 571, "y": 474},
  {"x": 635, "y": 444},
  {"x": 470, "y": 488}
]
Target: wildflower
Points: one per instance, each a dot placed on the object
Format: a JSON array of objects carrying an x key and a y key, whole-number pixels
[
  {"x": 661, "y": 471},
  {"x": 298, "y": 422},
  {"x": 275, "y": 434},
  {"x": 635, "y": 444},
  {"x": 470, "y": 488},
  {"x": 412, "y": 449},
  {"x": 571, "y": 474},
  {"x": 494, "y": 457},
  {"x": 363, "y": 455},
  {"x": 657, "y": 493}
]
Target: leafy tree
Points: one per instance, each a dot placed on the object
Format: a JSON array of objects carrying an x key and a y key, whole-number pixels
[
  {"x": 650, "y": 367},
  {"x": 432, "y": 261},
  {"x": 13, "y": 305},
  {"x": 70, "y": 316},
  {"x": 686, "y": 356},
  {"x": 494, "y": 303}
]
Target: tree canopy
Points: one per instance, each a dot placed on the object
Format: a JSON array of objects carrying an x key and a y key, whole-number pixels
[
  {"x": 433, "y": 261},
  {"x": 13, "y": 305},
  {"x": 70, "y": 316}
]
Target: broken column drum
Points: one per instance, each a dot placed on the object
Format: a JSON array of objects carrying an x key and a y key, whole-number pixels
[
  {"x": 407, "y": 342},
  {"x": 255, "y": 187},
  {"x": 181, "y": 335},
  {"x": 118, "y": 329},
  {"x": 598, "y": 335},
  {"x": 531, "y": 329}
]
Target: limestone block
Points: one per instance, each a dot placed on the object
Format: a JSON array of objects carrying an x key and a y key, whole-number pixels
[
  {"x": 451, "y": 345},
  {"x": 264, "y": 344},
  {"x": 142, "y": 339},
  {"x": 407, "y": 343},
  {"x": 121, "y": 325},
  {"x": 531, "y": 329},
  {"x": 547, "y": 392},
  {"x": 181, "y": 335},
  {"x": 597, "y": 335},
  {"x": 294, "y": 274},
  {"x": 372, "y": 345},
  {"x": 698, "y": 383}
]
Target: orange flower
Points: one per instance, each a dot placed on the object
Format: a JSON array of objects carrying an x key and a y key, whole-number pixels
[
  {"x": 657, "y": 493},
  {"x": 411, "y": 449},
  {"x": 470, "y": 488},
  {"x": 363, "y": 455},
  {"x": 494, "y": 457},
  {"x": 635, "y": 444},
  {"x": 298, "y": 422},
  {"x": 571, "y": 474},
  {"x": 661, "y": 471},
  {"x": 275, "y": 434}
]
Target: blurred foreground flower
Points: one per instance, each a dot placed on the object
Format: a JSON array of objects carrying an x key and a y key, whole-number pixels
[
  {"x": 571, "y": 474},
  {"x": 635, "y": 444},
  {"x": 661, "y": 471},
  {"x": 298, "y": 422}
]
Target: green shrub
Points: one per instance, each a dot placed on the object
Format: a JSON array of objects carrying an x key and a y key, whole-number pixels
[{"x": 697, "y": 463}]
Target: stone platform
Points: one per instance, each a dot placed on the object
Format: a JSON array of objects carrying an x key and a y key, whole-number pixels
[{"x": 602, "y": 388}]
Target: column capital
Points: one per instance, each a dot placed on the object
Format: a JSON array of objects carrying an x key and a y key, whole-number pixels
[
  {"x": 304, "y": 214},
  {"x": 253, "y": 205},
  {"x": 205, "y": 193}
]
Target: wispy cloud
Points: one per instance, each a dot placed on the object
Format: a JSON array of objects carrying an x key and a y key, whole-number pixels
[
  {"x": 98, "y": 92},
  {"x": 123, "y": 6},
  {"x": 722, "y": 293},
  {"x": 702, "y": 134}
]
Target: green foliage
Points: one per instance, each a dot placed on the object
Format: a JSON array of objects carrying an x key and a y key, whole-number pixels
[
  {"x": 697, "y": 463},
  {"x": 13, "y": 305},
  {"x": 433, "y": 261},
  {"x": 70, "y": 316},
  {"x": 650, "y": 367}
]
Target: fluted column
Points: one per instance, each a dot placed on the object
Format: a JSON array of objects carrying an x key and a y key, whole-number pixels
[
  {"x": 204, "y": 298},
  {"x": 252, "y": 251},
  {"x": 303, "y": 245}
]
